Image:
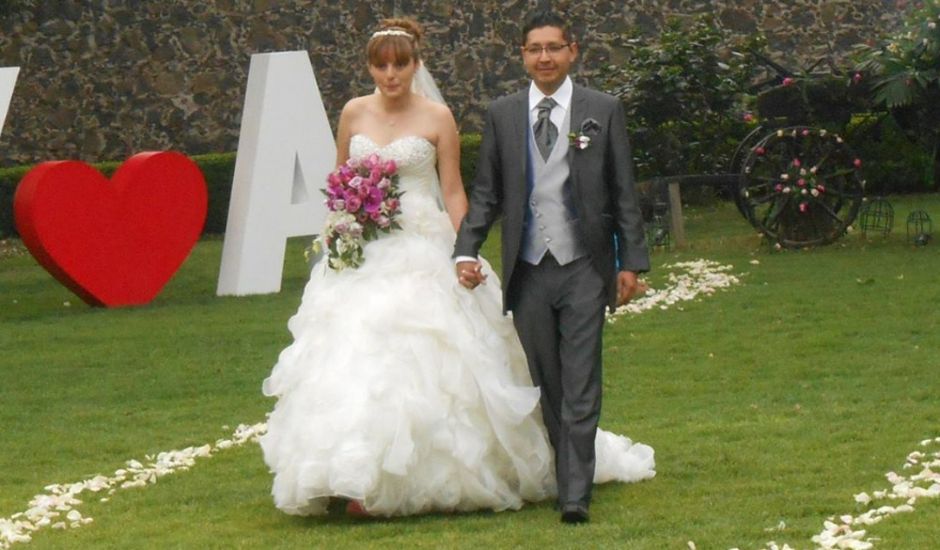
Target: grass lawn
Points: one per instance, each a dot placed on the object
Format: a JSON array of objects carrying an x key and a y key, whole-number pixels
[{"x": 775, "y": 401}]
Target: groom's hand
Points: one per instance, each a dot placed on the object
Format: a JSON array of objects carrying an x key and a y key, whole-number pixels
[
  {"x": 470, "y": 274},
  {"x": 628, "y": 286}
]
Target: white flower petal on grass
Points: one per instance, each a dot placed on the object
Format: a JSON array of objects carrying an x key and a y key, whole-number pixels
[
  {"x": 921, "y": 484},
  {"x": 695, "y": 279},
  {"x": 45, "y": 510}
]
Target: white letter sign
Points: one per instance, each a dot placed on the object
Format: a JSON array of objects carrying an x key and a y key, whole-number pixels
[
  {"x": 285, "y": 151},
  {"x": 7, "y": 82}
]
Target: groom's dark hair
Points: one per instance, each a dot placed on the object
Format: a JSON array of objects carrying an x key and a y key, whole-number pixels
[{"x": 545, "y": 17}]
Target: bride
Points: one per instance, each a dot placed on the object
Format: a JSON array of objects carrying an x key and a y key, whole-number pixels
[{"x": 403, "y": 392}]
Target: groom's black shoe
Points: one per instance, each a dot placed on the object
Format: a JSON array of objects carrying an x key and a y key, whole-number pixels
[{"x": 574, "y": 512}]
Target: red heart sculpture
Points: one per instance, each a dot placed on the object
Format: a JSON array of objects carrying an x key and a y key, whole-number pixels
[{"x": 118, "y": 242}]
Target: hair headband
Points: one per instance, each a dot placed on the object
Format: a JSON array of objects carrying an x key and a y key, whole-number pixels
[{"x": 392, "y": 32}]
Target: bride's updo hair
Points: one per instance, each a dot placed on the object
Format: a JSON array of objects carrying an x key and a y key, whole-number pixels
[{"x": 397, "y": 39}]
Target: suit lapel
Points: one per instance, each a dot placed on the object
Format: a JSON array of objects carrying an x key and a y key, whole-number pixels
[
  {"x": 520, "y": 127},
  {"x": 578, "y": 113}
]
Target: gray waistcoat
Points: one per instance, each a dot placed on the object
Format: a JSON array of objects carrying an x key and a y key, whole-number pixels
[{"x": 551, "y": 222}]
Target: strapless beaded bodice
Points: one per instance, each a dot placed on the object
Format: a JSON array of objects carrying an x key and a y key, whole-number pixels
[{"x": 416, "y": 158}]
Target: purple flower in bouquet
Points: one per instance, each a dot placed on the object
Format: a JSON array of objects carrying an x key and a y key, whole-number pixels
[
  {"x": 373, "y": 202},
  {"x": 362, "y": 197}
]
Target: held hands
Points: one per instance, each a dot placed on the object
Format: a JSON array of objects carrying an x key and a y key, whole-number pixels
[
  {"x": 470, "y": 274},
  {"x": 629, "y": 287}
]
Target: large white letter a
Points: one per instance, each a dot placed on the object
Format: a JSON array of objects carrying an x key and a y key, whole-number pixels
[
  {"x": 285, "y": 151},
  {"x": 7, "y": 82}
]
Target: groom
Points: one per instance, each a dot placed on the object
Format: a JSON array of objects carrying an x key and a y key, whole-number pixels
[{"x": 555, "y": 161}]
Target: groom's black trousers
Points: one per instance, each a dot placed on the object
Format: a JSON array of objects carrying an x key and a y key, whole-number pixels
[{"x": 558, "y": 312}]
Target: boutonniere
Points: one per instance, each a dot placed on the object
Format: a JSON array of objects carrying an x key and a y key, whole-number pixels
[{"x": 582, "y": 139}]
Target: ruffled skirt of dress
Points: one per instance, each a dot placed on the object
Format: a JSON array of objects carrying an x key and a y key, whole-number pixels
[{"x": 409, "y": 393}]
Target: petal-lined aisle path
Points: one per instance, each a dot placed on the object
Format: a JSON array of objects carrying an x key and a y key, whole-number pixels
[{"x": 56, "y": 508}]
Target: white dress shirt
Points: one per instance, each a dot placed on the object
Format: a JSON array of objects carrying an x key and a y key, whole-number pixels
[{"x": 562, "y": 97}]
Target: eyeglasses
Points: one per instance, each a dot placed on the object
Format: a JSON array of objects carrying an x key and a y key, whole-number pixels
[{"x": 552, "y": 49}]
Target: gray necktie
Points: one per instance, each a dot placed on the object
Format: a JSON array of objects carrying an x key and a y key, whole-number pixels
[{"x": 545, "y": 132}]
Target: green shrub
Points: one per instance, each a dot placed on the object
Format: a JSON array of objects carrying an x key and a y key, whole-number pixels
[
  {"x": 9, "y": 178},
  {"x": 217, "y": 169},
  {"x": 903, "y": 74},
  {"x": 893, "y": 162},
  {"x": 682, "y": 92},
  {"x": 469, "y": 152}
]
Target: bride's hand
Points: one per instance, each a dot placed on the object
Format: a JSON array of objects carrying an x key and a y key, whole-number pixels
[{"x": 470, "y": 274}]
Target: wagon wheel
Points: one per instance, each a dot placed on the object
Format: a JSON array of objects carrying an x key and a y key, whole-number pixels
[
  {"x": 800, "y": 186},
  {"x": 740, "y": 155}
]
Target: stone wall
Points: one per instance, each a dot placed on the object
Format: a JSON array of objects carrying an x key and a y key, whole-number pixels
[{"x": 102, "y": 79}]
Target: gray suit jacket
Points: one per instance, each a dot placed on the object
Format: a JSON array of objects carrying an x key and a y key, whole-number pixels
[{"x": 601, "y": 183}]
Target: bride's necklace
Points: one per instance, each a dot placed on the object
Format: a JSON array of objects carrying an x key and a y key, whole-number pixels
[{"x": 391, "y": 118}]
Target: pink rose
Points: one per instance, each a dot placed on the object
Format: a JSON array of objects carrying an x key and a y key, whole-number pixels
[
  {"x": 390, "y": 167},
  {"x": 857, "y": 163},
  {"x": 353, "y": 202},
  {"x": 748, "y": 117},
  {"x": 760, "y": 151},
  {"x": 796, "y": 162},
  {"x": 801, "y": 182},
  {"x": 804, "y": 207},
  {"x": 788, "y": 81}
]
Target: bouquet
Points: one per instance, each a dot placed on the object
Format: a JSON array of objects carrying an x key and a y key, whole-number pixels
[{"x": 362, "y": 197}]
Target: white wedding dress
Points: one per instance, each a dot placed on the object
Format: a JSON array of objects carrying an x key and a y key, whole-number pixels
[{"x": 406, "y": 391}]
